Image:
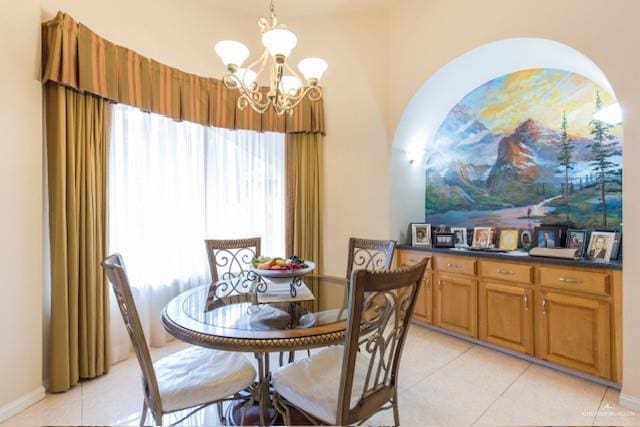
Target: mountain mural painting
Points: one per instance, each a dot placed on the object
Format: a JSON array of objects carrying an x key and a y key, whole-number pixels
[{"x": 523, "y": 149}]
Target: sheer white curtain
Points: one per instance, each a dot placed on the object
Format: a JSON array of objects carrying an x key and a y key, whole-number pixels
[{"x": 174, "y": 184}]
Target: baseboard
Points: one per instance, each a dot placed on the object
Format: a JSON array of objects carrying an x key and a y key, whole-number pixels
[
  {"x": 10, "y": 409},
  {"x": 630, "y": 402}
]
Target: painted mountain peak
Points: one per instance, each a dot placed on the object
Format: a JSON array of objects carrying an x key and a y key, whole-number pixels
[{"x": 522, "y": 150}]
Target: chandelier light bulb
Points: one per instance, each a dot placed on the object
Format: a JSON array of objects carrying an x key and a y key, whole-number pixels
[
  {"x": 279, "y": 42},
  {"x": 232, "y": 52},
  {"x": 312, "y": 68},
  {"x": 247, "y": 76},
  {"x": 290, "y": 85}
]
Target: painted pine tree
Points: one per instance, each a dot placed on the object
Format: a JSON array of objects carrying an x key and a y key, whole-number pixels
[
  {"x": 566, "y": 160},
  {"x": 602, "y": 148}
]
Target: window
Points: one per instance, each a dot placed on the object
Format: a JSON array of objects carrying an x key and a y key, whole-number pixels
[{"x": 174, "y": 184}]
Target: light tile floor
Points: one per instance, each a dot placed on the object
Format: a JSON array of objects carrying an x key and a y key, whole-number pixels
[{"x": 443, "y": 381}]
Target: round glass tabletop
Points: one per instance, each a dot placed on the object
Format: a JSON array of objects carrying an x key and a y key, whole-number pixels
[{"x": 270, "y": 319}]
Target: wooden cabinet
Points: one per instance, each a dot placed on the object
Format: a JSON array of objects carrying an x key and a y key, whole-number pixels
[
  {"x": 456, "y": 265},
  {"x": 456, "y": 304},
  {"x": 506, "y": 315},
  {"x": 507, "y": 271},
  {"x": 570, "y": 315},
  {"x": 574, "y": 331},
  {"x": 423, "y": 310}
]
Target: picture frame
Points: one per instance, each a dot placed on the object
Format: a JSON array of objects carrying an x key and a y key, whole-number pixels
[
  {"x": 444, "y": 240},
  {"x": 526, "y": 238},
  {"x": 577, "y": 239},
  {"x": 601, "y": 246},
  {"x": 548, "y": 237},
  {"x": 483, "y": 237},
  {"x": 508, "y": 239},
  {"x": 617, "y": 247},
  {"x": 421, "y": 235},
  {"x": 460, "y": 237}
]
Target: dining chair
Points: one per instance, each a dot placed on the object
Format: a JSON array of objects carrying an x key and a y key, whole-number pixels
[
  {"x": 230, "y": 261},
  {"x": 367, "y": 254},
  {"x": 189, "y": 379},
  {"x": 347, "y": 384}
]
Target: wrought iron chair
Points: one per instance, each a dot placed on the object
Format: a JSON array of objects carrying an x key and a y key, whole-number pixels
[
  {"x": 366, "y": 254},
  {"x": 189, "y": 379},
  {"x": 345, "y": 385},
  {"x": 229, "y": 261}
]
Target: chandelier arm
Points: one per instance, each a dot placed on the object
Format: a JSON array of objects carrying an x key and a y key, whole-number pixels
[
  {"x": 253, "y": 97},
  {"x": 263, "y": 61},
  {"x": 245, "y": 100},
  {"x": 293, "y": 72},
  {"x": 308, "y": 90}
]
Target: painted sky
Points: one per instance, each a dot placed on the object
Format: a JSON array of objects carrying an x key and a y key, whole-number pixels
[{"x": 540, "y": 94}]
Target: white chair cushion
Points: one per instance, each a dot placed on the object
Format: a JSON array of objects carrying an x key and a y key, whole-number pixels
[
  {"x": 199, "y": 375},
  {"x": 313, "y": 384}
]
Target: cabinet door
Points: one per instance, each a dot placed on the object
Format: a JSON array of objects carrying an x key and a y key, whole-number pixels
[
  {"x": 506, "y": 316},
  {"x": 456, "y": 304},
  {"x": 423, "y": 310},
  {"x": 574, "y": 331}
]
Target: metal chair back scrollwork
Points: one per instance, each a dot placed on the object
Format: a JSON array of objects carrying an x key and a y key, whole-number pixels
[
  {"x": 230, "y": 262},
  {"x": 117, "y": 274},
  {"x": 381, "y": 302},
  {"x": 367, "y": 254}
]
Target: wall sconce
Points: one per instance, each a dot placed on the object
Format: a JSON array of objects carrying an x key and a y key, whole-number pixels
[{"x": 413, "y": 155}]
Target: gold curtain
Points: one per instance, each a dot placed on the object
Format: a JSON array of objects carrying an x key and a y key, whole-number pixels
[
  {"x": 75, "y": 56},
  {"x": 304, "y": 192},
  {"x": 76, "y": 138}
]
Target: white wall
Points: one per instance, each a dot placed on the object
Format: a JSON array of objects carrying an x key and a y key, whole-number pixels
[
  {"x": 21, "y": 202},
  {"x": 426, "y": 35}
]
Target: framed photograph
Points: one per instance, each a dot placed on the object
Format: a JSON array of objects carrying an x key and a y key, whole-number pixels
[
  {"x": 617, "y": 245},
  {"x": 421, "y": 234},
  {"x": 526, "y": 239},
  {"x": 577, "y": 239},
  {"x": 444, "y": 240},
  {"x": 483, "y": 237},
  {"x": 601, "y": 245},
  {"x": 459, "y": 237},
  {"x": 508, "y": 239},
  {"x": 548, "y": 237}
]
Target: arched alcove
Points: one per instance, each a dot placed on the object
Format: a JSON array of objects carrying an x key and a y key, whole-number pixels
[{"x": 443, "y": 90}]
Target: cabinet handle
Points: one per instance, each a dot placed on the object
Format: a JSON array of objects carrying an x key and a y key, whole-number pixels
[
  {"x": 526, "y": 302},
  {"x": 440, "y": 284},
  {"x": 568, "y": 280},
  {"x": 544, "y": 306},
  {"x": 506, "y": 272},
  {"x": 454, "y": 266}
]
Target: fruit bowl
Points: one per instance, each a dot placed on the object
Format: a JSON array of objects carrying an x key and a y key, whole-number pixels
[{"x": 282, "y": 274}]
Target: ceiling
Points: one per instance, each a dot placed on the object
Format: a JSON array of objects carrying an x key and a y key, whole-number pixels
[{"x": 301, "y": 8}]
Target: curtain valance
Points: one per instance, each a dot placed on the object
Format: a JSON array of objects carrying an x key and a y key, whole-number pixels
[{"x": 76, "y": 57}]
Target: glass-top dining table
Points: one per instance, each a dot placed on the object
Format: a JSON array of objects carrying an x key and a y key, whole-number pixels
[{"x": 256, "y": 322}]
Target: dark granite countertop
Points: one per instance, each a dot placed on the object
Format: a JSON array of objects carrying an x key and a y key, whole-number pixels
[{"x": 517, "y": 256}]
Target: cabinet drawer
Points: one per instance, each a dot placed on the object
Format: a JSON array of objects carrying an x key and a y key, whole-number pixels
[
  {"x": 505, "y": 271},
  {"x": 574, "y": 280},
  {"x": 459, "y": 265},
  {"x": 412, "y": 257}
]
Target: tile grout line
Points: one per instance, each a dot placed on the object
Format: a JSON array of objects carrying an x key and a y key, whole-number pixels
[
  {"x": 441, "y": 367},
  {"x": 501, "y": 394},
  {"x": 595, "y": 416}
]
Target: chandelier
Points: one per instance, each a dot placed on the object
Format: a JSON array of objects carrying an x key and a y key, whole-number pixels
[{"x": 285, "y": 89}]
